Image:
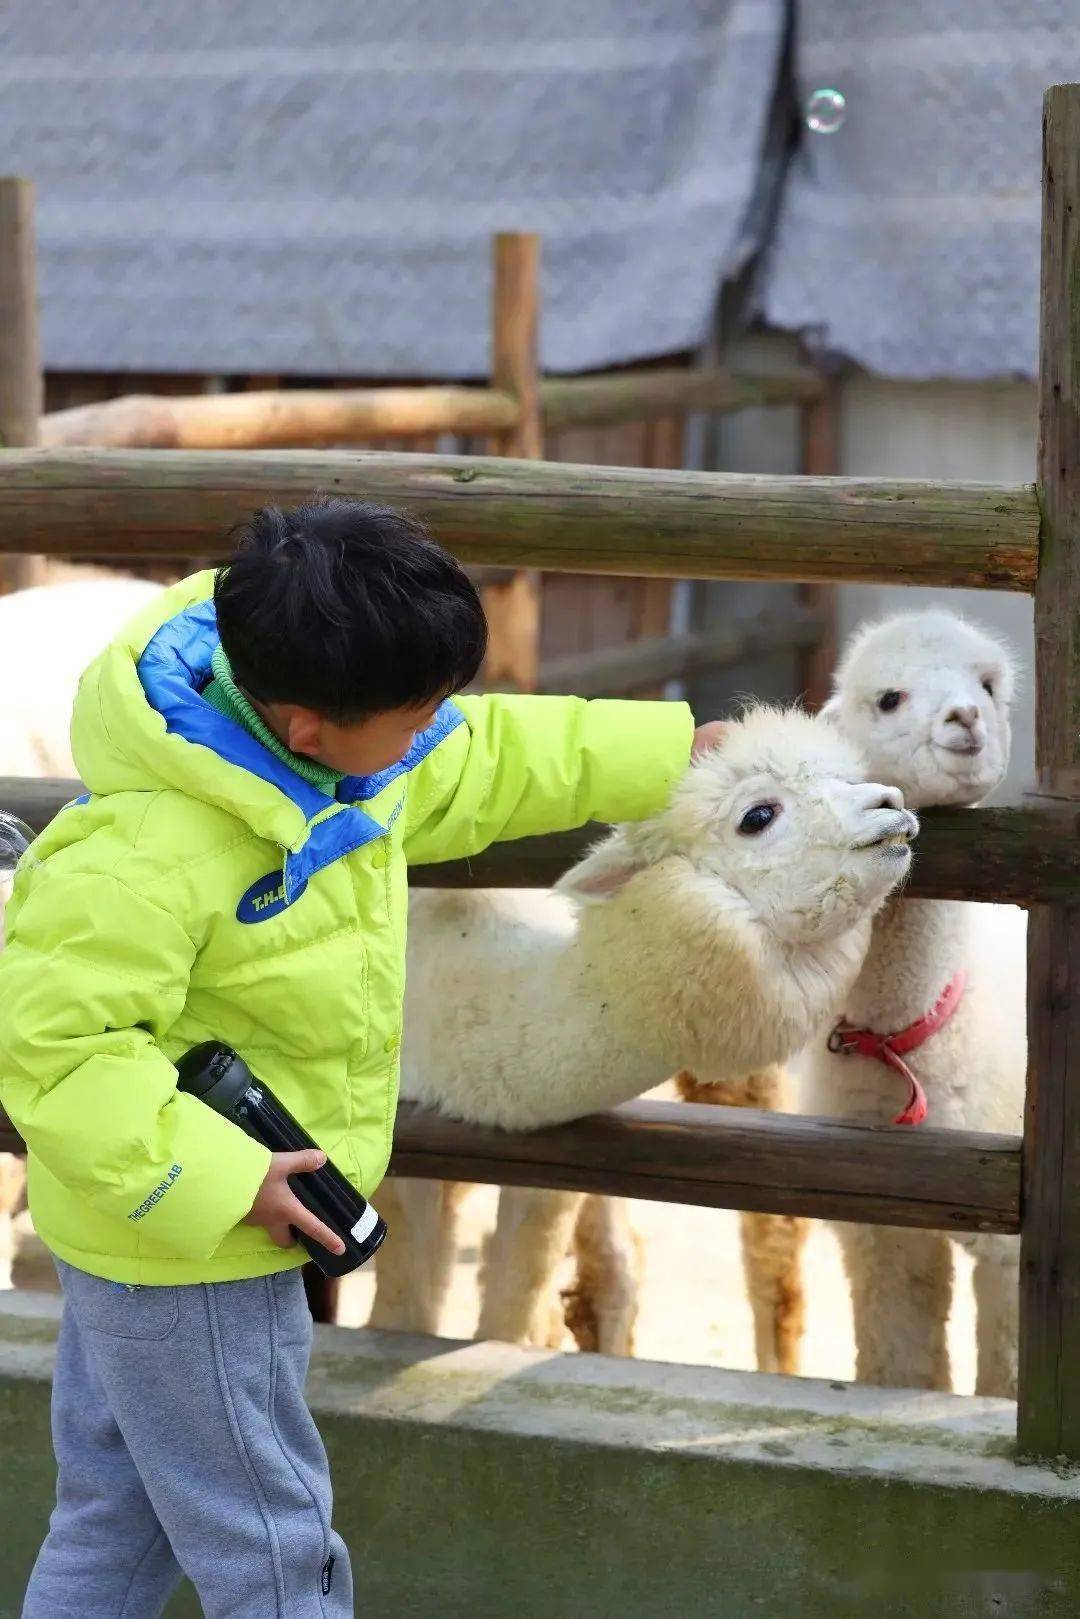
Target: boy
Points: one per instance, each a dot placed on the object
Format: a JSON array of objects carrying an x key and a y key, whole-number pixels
[{"x": 264, "y": 753}]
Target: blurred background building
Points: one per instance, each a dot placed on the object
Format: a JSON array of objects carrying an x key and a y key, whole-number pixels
[{"x": 231, "y": 195}]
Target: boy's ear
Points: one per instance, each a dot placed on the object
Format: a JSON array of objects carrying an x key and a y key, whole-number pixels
[{"x": 603, "y": 872}]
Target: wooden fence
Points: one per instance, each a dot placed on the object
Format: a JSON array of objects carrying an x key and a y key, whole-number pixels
[
  {"x": 518, "y": 413},
  {"x": 716, "y": 526}
]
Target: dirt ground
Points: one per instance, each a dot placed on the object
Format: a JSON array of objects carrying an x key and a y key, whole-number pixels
[{"x": 693, "y": 1305}]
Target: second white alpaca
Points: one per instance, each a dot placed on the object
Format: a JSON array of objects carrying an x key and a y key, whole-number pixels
[
  {"x": 715, "y": 937},
  {"x": 48, "y": 635},
  {"x": 926, "y": 698}
]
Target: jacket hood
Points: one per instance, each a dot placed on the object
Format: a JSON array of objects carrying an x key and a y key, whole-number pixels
[{"x": 140, "y": 723}]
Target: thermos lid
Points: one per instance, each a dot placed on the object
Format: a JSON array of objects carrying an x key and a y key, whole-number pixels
[{"x": 215, "y": 1074}]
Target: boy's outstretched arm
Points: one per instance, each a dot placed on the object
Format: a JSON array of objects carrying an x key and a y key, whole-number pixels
[
  {"x": 522, "y": 765},
  {"x": 92, "y": 977}
]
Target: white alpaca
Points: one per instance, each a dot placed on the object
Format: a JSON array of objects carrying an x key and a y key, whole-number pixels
[
  {"x": 48, "y": 635},
  {"x": 715, "y": 937},
  {"x": 926, "y": 699}
]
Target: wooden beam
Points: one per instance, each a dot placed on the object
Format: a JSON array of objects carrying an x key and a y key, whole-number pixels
[
  {"x": 21, "y": 392},
  {"x": 607, "y": 520},
  {"x": 279, "y": 419},
  {"x": 515, "y": 338},
  {"x": 267, "y": 419},
  {"x": 21, "y": 385},
  {"x": 729, "y": 1158},
  {"x": 36, "y": 799},
  {"x": 634, "y": 396},
  {"x": 1001, "y": 856},
  {"x": 1049, "y": 1392},
  {"x": 613, "y": 671},
  {"x": 820, "y": 434},
  {"x": 513, "y": 605},
  {"x": 736, "y": 1158}
]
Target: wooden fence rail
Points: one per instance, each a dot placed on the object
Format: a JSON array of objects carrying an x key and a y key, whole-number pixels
[
  {"x": 1017, "y": 856},
  {"x": 729, "y": 1158},
  {"x": 736, "y": 1158},
  {"x": 283, "y": 418},
  {"x": 527, "y": 514},
  {"x": 539, "y": 514},
  {"x": 640, "y": 665}
]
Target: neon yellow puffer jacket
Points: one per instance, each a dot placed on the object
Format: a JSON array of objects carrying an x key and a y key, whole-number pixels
[{"x": 204, "y": 890}]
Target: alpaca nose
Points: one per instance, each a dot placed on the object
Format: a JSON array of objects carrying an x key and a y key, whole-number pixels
[
  {"x": 966, "y": 716},
  {"x": 870, "y": 797},
  {"x": 889, "y": 798}
]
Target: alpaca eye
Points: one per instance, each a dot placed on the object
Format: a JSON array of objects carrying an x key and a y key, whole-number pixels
[
  {"x": 988, "y": 687},
  {"x": 758, "y": 818},
  {"x": 890, "y": 700}
]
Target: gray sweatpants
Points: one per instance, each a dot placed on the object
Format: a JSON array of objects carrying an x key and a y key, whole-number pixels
[{"x": 183, "y": 1442}]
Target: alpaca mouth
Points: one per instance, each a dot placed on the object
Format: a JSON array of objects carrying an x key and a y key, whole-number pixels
[
  {"x": 962, "y": 750},
  {"x": 894, "y": 839}
]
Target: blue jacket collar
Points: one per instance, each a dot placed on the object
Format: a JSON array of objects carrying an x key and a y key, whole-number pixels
[{"x": 175, "y": 667}]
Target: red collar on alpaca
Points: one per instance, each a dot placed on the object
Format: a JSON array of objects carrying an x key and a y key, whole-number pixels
[{"x": 892, "y": 1048}]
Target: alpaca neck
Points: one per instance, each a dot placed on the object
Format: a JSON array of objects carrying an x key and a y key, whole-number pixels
[
  {"x": 916, "y": 947},
  {"x": 606, "y": 1038},
  {"x": 672, "y": 976}
]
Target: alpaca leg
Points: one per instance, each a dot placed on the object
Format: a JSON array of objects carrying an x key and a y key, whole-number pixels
[
  {"x": 602, "y": 1305},
  {"x": 415, "y": 1263},
  {"x": 772, "y": 1246},
  {"x": 901, "y": 1290},
  {"x": 997, "y": 1312},
  {"x": 519, "y": 1301}
]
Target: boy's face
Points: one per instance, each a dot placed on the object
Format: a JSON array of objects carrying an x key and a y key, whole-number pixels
[{"x": 361, "y": 749}]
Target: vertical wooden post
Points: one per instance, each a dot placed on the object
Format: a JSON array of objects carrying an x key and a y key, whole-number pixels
[
  {"x": 21, "y": 392},
  {"x": 820, "y": 457},
  {"x": 515, "y": 337},
  {"x": 1049, "y": 1413},
  {"x": 513, "y": 608}
]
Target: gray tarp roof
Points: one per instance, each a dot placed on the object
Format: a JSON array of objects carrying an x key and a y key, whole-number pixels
[
  {"x": 910, "y": 239},
  {"x": 302, "y": 186},
  {"x": 309, "y": 186}
]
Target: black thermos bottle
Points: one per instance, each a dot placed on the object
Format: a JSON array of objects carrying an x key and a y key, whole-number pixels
[{"x": 220, "y": 1078}]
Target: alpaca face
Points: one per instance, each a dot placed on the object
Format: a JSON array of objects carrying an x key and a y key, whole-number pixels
[
  {"x": 778, "y": 826},
  {"x": 926, "y": 698}
]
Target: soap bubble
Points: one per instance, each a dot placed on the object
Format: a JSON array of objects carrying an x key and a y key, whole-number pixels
[
  {"x": 826, "y": 110},
  {"x": 15, "y": 838}
]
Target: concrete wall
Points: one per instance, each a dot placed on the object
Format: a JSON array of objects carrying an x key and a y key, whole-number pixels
[{"x": 478, "y": 1481}]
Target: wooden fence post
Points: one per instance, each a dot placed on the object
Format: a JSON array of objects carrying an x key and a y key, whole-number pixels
[
  {"x": 819, "y": 423},
  {"x": 1049, "y": 1414},
  {"x": 513, "y": 608},
  {"x": 21, "y": 392},
  {"x": 515, "y": 337}
]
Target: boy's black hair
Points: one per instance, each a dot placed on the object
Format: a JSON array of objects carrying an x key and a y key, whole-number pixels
[{"x": 347, "y": 608}]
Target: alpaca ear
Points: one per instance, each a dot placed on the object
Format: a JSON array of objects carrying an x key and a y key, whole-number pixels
[{"x": 602, "y": 873}]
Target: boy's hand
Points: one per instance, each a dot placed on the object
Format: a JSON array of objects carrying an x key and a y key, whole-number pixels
[
  {"x": 277, "y": 1207},
  {"x": 707, "y": 737}
]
